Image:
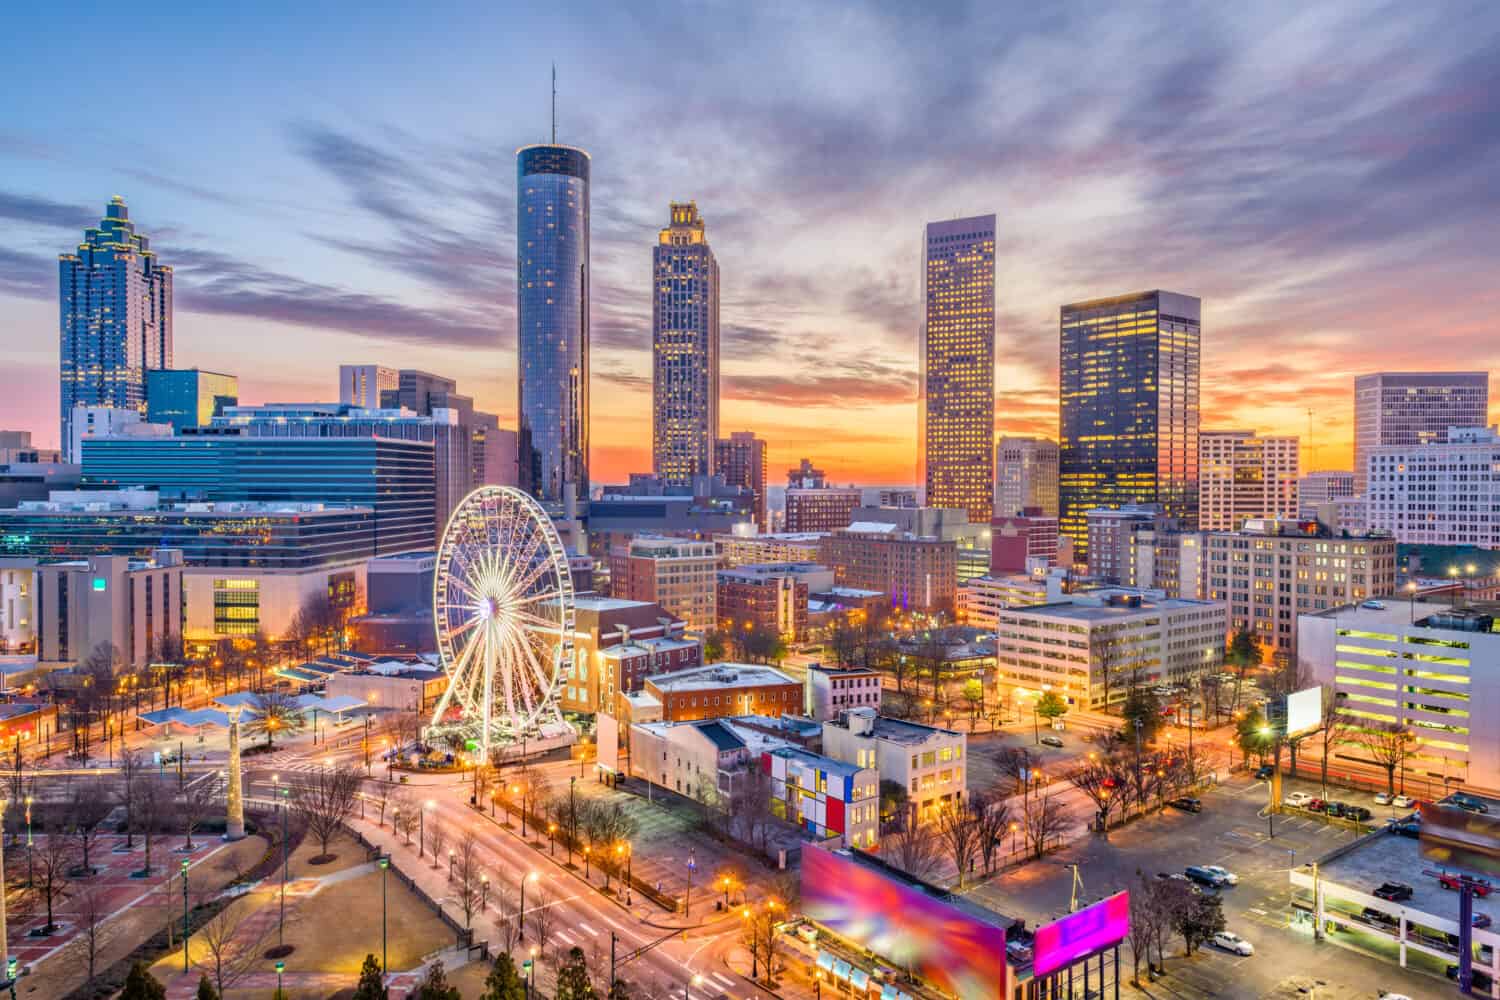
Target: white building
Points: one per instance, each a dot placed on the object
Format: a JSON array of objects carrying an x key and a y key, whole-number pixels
[
  {"x": 981, "y": 599},
  {"x": 361, "y": 385},
  {"x": 1438, "y": 494},
  {"x": 831, "y": 690},
  {"x": 1427, "y": 667},
  {"x": 131, "y": 604},
  {"x": 89, "y": 422},
  {"x": 930, "y": 763},
  {"x": 738, "y": 549},
  {"x": 1025, "y": 476},
  {"x": 1242, "y": 475},
  {"x": 824, "y": 797},
  {"x": 1318, "y": 488},
  {"x": 1068, "y": 647}
]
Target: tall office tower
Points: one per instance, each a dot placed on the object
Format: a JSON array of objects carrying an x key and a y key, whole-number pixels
[
  {"x": 741, "y": 460},
  {"x": 813, "y": 505},
  {"x": 361, "y": 385},
  {"x": 115, "y": 315},
  {"x": 552, "y": 322},
  {"x": 1129, "y": 408},
  {"x": 684, "y": 349},
  {"x": 1318, "y": 488},
  {"x": 957, "y": 386},
  {"x": 1241, "y": 476},
  {"x": 188, "y": 397},
  {"x": 1025, "y": 476},
  {"x": 1407, "y": 408}
]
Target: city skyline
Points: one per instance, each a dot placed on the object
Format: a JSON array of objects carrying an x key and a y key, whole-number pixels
[{"x": 1325, "y": 203}]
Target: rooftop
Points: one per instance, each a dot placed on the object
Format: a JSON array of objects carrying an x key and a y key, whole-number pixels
[
  {"x": 657, "y": 645},
  {"x": 1437, "y": 614},
  {"x": 775, "y": 536},
  {"x": 817, "y": 760},
  {"x": 1105, "y": 606},
  {"x": 596, "y": 603},
  {"x": 895, "y": 730},
  {"x": 843, "y": 671},
  {"x": 719, "y": 675}
]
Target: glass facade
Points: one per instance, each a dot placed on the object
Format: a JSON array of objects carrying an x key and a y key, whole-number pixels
[
  {"x": 1414, "y": 408},
  {"x": 684, "y": 350},
  {"x": 188, "y": 397},
  {"x": 1128, "y": 372},
  {"x": 957, "y": 386},
  {"x": 552, "y": 321},
  {"x": 114, "y": 317},
  {"x": 392, "y": 478}
]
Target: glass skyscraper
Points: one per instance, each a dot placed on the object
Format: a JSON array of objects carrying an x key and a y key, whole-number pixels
[
  {"x": 552, "y": 322},
  {"x": 188, "y": 397},
  {"x": 957, "y": 387},
  {"x": 114, "y": 318},
  {"x": 1129, "y": 407},
  {"x": 684, "y": 350}
]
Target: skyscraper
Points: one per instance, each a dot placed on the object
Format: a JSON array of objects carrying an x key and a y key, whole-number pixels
[
  {"x": 684, "y": 349},
  {"x": 1408, "y": 408},
  {"x": 741, "y": 460},
  {"x": 1242, "y": 475},
  {"x": 115, "y": 318},
  {"x": 1025, "y": 475},
  {"x": 361, "y": 385},
  {"x": 188, "y": 397},
  {"x": 552, "y": 321},
  {"x": 956, "y": 393},
  {"x": 1129, "y": 407}
]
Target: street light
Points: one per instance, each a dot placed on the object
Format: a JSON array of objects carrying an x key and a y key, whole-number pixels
[
  {"x": 551, "y": 841},
  {"x": 450, "y": 864},
  {"x": 521, "y": 918},
  {"x": 280, "y": 968},
  {"x": 586, "y": 851},
  {"x": 422, "y": 825},
  {"x": 697, "y": 981},
  {"x": 184, "y": 915},
  {"x": 385, "y": 865},
  {"x": 484, "y": 892}
]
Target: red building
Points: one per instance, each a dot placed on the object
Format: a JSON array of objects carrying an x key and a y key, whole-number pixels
[
  {"x": 741, "y": 460},
  {"x": 764, "y": 598},
  {"x": 617, "y": 644},
  {"x": 1013, "y": 540}
]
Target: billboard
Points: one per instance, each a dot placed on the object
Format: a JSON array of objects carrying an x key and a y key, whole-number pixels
[
  {"x": 1455, "y": 838},
  {"x": 906, "y": 927},
  {"x": 1304, "y": 711},
  {"x": 1077, "y": 935}
]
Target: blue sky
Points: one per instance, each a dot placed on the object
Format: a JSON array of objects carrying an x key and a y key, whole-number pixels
[{"x": 337, "y": 184}]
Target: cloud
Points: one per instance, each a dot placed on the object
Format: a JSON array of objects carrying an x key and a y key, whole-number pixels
[
  {"x": 30, "y": 210},
  {"x": 850, "y": 384}
]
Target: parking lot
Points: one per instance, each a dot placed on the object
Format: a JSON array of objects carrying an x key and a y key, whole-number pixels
[{"x": 1232, "y": 831}]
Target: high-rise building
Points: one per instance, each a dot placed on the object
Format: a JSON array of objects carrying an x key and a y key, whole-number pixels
[
  {"x": 1025, "y": 475},
  {"x": 188, "y": 397},
  {"x": 1408, "y": 408},
  {"x": 957, "y": 385},
  {"x": 1129, "y": 407},
  {"x": 1318, "y": 488},
  {"x": 1242, "y": 476},
  {"x": 1020, "y": 543},
  {"x": 684, "y": 349},
  {"x": 917, "y": 572},
  {"x": 361, "y": 385},
  {"x": 741, "y": 460},
  {"x": 679, "y": 574},
  {"x": 1438, "y": 494},
  {"x": 552, "y": 322},
  {"x": 1109, "y": 531},
  {"x": 813, "y": 505},
  {"x": 115, "y": 314}
]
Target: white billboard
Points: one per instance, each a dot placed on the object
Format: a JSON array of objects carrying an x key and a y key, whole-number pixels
[{"x": 1304, "y": 711}]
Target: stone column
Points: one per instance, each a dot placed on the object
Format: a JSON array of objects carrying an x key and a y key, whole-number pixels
[{"x": 234, "y": 829}]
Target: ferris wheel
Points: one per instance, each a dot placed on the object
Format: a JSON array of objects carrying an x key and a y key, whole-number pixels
[{"x": 503, "y": 604}]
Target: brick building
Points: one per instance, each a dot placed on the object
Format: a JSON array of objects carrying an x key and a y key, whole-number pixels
[
  {"x": 724, "y": 689},
  {"x": 917, "y": 572}
]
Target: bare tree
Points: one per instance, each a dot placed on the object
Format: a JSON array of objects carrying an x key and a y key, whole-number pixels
[
  {"x": 325, "y": 801},
  {"x": 507, "y": 923},
  {"x": 197, "y": 801},
  {"x": 468, "y": 876},
  {"x": 92, "y": 912},
  {"x": 913, "y": 847},
  {"x": 1017, "y": 763},
  {"x": 541, "y": 917},
  {"x": 52, "y": 863},
  {"x": 404, "y": 819},
  {"x": 958, "y": 828},
  {"x": 1044, "y": 820},
  {"x": 993, "y": 813},
  {"x": 131, "y": 768},
  {"x": 1389, "y": 744},
  {"x": 87, "y": 811},
  {"x": 437, "y": 839},
  {"x": 1333, "y": 729},
  {"x": 150, "y": 801},
  {"x": 1096, "y": 779},
  {"x": 233, "y": 943}
]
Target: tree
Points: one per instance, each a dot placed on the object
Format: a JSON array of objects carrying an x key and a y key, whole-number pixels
[
  {"x": 1044, "y": 820},
  {"x": 230, "y": 953},
  {"x": 714, "y": 647},
  {"x": 1199, "y": 917},
  {"x": 541, "y": 915},
  {"x": 468, "y": 878},
  {"x": 131, "y": 766},
  {"x": 371, "y": 981},
  {"x": 1253, "y": 734},
  {"x": 92, "y": 911},
  {"x": 52, "y": 862},
  {"x": 141, "y": 985},
  {"x": 912, "y": 847},
  {"x": 1142, "y": 715},
  {"x": 206, "y": 990},
  {"x": 1389, "y": 744},
  {"x": 959, "y": 829},
  {"x": 504, "y": 981},
  {"x": 194, "y": 805},
  {"x": 325, "y": 801},
  {"x": 973, "y": 695},
  {"x": 436, "y": 986},
  {"x": 1098, "y": 780},
  {"x": 893, "y": 802},
  {"x": 993, "y": 813},
  {"x": 618, "y": 990},
  {"x": 1242, "y": 653},
  {"x": 573, "y": 978},
  {"x": 1051, "y": 706},
  {"x": 1017, "y": 763},
  {"x": 1333, "y": 729},
  {"x": 437, "y": 838},
  {"x": 150, "y": 801},
  {"x": 1141, "y": 916},
  {"x": 1105, "y": 651},
  {"x": 87, "y": 811},
  {"x": 273, "y": 712}
]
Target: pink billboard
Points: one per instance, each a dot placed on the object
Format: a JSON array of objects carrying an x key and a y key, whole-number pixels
[
  {"x": 1091, "y": 929},
  {"x": 935, "y": 940}
]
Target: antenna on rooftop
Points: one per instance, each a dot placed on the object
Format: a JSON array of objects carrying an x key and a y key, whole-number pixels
[{"x": 554, "y": 104}]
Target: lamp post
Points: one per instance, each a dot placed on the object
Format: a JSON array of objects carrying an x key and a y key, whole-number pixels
[
  {"x": 281, "y": 923},
  {"x": 625, "y": 849},
  {"x": 754, "y": 944},
  {"x": 1411, "y": 594},
  {"x": 1265, "y": 737},
  {"x": 385, "y": 865},
  {"x": 586, "y": 850},
  {"x": 450, "y": 864},
  {"x": 521, "y": 917},
  {"x": 572, "y": 821},
  {"x": 184, "y": 914},
  {"x": 29, "y": 853},
  {"x": 551, "y": 840},
  {"x": 687, "y": 899},
  {"x": 422, "y": 826},
  {"x": 697, "y": 981},
  {"x": 280, "y": 968},
  {"x": 484, "y": 893}
]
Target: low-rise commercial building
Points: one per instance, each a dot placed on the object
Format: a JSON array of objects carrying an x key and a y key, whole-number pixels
[
  {"x": 411, "y": 690},
  {"x": 981, "y": 599},
  {"x": 748, "y": 549},
  {"x": 617, "y": 643},
  {"x": 930, "y": 763},
  {"x": 27, "y": 723},
  {"x": 719, "y": 689},
  {"x": 826, "y": 798},
  {"x": 130, "y": 604},
  {"x": 770, "y": 597},
  {"x": 831, "y": 690},
  {"x": 1087, "y": 648}
]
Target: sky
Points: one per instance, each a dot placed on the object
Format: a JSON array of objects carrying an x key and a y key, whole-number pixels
[{"x": 335, "y": 183}]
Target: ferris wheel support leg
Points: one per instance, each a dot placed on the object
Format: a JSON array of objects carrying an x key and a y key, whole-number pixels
[{"x": 489, "y": 687}]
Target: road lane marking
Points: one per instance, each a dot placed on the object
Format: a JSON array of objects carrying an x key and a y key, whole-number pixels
[
  {"x": 723, "y": 980},
  {"x": 586, "y": 927}
]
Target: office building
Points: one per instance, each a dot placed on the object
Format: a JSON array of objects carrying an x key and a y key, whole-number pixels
[
  {"x": 617, "y": 644},
  {"x": 392, "y": 478},
  {"x": 1403, "y": 409},
  {"x": 831, "y": 690},
  {"x": 132, "y": 604},
  {"x": 677, "y": 573},
  {"x": 769, "y": 597},
  {"x": 1129, "y": 370},
  {"x": 91, "y": 422},
  {"x": 1109, "y": 531},
  {"x": 22, "y": 481},
  {"x": 741, "y": 460},
  {"x": 17, "y": 605},
  {"x": 971, "y": 539},
  {"x": 898, "y": 498},
  {"x": 684, "y": 349},
  {"x": 1316, "y": 489},
  {"x": 552, "y": 322},
  {"x": 1437, "y": 494},
  {"x": 716, "y": 690},
  {"x": 115, "y": 314},
  {"x": 16, "y": 447},
  {"x": 361, "y": 386},
  {"x": 188, "y": 397},
  {"x": 397, "y": 620},
  {"x": 737, "y": 549},
  {"x": 1089, "y": 647},
  {"x": 916, "y": 572},
  {"x": 825, "y": 798},
  {"x": 1165, "y": 559},
  {"x": 494, "y": 452},
  {"x": 930, "y": 763},
  {"x": 1427, "y": 667},
  {"x": 1025, "y": 476},
  {"x": 980, "y": 600},
  {"x": 1269, "y": 572},
  {"x": 956, "y": 387},
  {"x": 1242, "y": 475},
  {"x": 813, "y": 505},
  {"x": 1020, "y": 543},
  {"x": 647, "y": 506}
]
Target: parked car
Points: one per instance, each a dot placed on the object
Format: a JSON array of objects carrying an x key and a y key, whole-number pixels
[
  {"x": 1298, "y": 800},
  {"x": 1383, "y": 798},
  {"x": 1403, "y": 802},
  {"x": 1265, "y": 771},
  {"x": 1357, "y": 813},
  {"x": 1230, "y": 941},
  {"x": 807, "y": 932},
  {"x": 1370, "y": 915},
  {"x": 1405, "y": 828},
  {"x": 1468, "y": 803},
  {"x": 1229, "y": 877},
  {"x": 1334, "y": 808},
  {"x": 1394, "y": 891},
  {"x": 1052, "y": 741},
  {"x": 1204, "y": 876},
  {"x": 1187, "y": 804},
  {"x": 1393, "y": 996},
  {"x": 1454, "y": 881}
]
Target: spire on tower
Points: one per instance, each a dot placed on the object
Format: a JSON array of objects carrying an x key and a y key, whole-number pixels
[{"x": 554, "y": 104}]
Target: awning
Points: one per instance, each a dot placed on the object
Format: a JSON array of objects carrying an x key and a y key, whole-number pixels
[
  {"x": 825, "y": 961},
  {"x": 841, "y": 968},
  {"x": 859, "y": 979}
]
